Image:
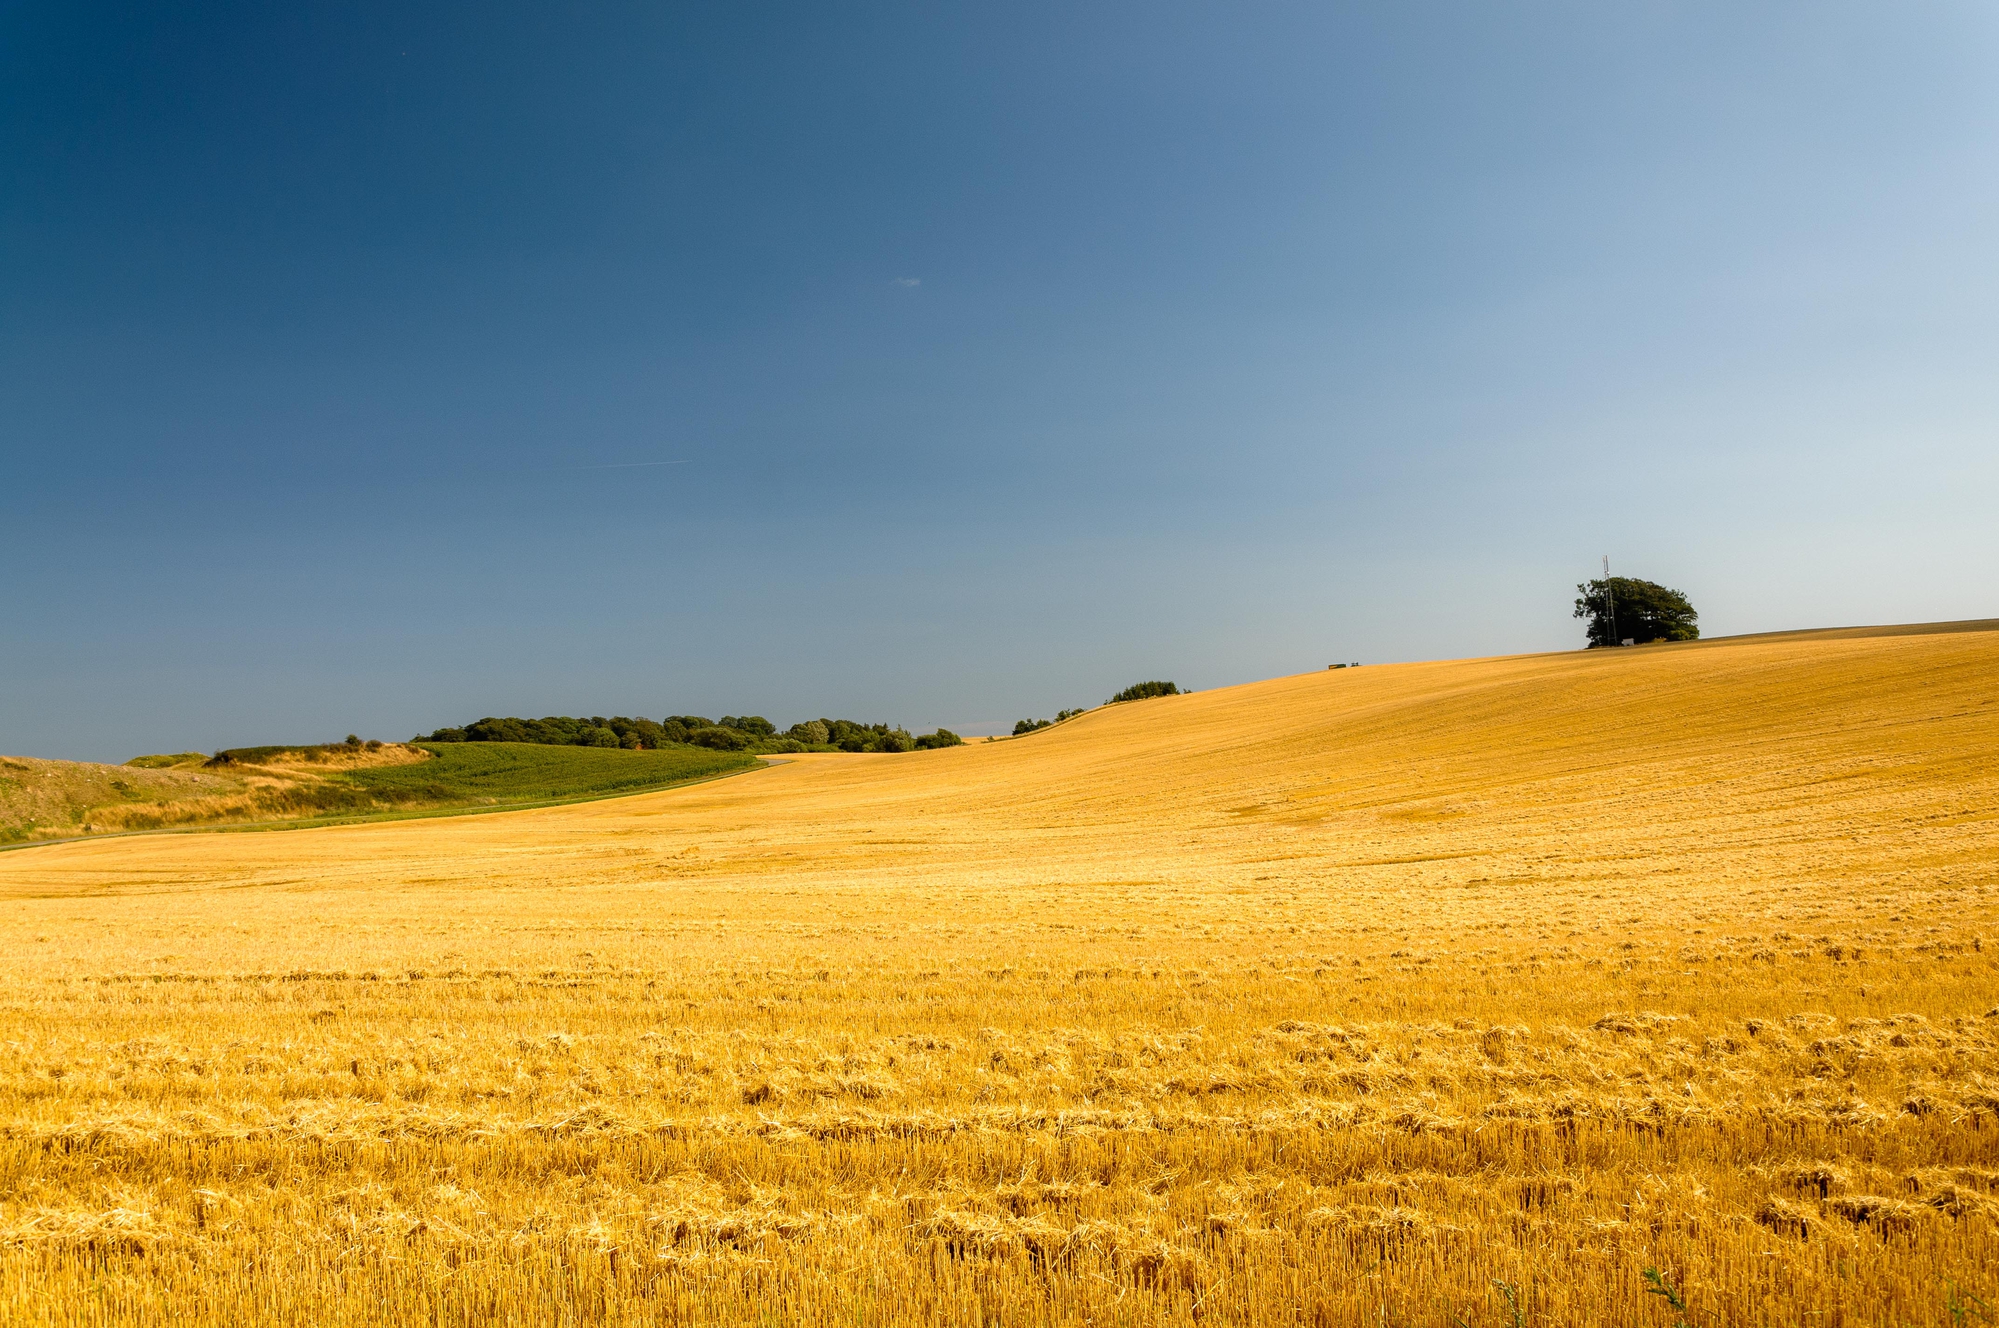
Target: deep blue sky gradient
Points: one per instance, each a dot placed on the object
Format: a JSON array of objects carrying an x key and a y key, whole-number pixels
[{"x": 1005, "y": 359}]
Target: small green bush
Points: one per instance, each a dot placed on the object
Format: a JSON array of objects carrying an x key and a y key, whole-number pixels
[
  {"x": 265, "y": 755},
  {"x": 166, "y": 762}
]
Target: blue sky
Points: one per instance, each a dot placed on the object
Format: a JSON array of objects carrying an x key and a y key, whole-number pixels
[{"x": 1001, "y": 359}]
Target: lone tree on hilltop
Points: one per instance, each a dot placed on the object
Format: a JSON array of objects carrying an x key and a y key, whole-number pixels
[{"x": 1621, "y": 608}]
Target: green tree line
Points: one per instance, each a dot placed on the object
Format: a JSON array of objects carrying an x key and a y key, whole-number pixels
[
  {"x": 730, "y": 733},
  {"x": 1138, "y": 691}
]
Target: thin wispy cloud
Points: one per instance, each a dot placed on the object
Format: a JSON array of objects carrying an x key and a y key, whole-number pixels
[
  {"x": 631, "y": 465},
  {"x": 908, "y": 281}
]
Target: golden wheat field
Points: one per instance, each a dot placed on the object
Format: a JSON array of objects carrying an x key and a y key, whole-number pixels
[{"x": 1457, "y": 993}]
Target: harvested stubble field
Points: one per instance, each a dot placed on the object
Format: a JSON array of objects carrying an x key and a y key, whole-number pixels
[{"x": 1428, "y": 994}]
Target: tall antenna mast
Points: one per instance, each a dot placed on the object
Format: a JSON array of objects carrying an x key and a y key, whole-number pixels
[{"x": 1609, "y": 602}]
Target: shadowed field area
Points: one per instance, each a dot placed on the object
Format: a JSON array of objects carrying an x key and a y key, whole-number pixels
[{"x": 1424, "y": 993}]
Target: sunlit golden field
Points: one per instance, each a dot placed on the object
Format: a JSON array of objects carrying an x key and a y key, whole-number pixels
[{"x": 1425, "y": 994}]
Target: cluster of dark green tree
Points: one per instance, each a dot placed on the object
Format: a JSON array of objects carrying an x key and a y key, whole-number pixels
[
  {"x": 1138, "y": 691},
  {"x": 1021, "y": 726},
  {"x": 845, "y": 735},
  {"x": 1621, "y": 608},
  {"x": 731, "y": 733}
]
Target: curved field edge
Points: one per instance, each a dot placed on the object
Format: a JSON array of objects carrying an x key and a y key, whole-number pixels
[{"x": 411, "y": 814}]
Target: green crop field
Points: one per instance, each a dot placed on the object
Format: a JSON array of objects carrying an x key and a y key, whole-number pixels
[
  {"x": 511, "y": 772},
  {"x": 262, "y": 786}
]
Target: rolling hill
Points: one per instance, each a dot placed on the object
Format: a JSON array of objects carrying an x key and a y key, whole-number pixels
[{"x": 1412, "y": 993}]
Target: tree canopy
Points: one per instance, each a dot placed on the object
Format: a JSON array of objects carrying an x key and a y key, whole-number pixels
[
  {"x": 1623, "y": 608},
  {"x": 731, "y": 733},
  {"x": 1031, "y": 725}
]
